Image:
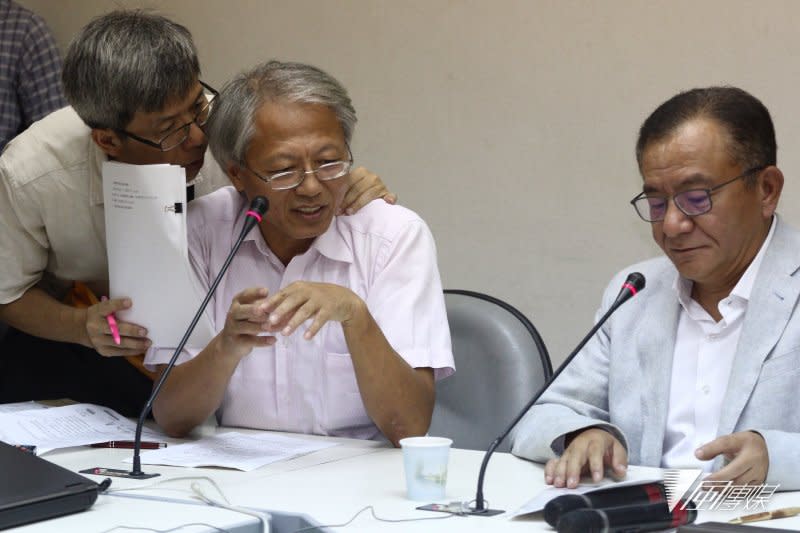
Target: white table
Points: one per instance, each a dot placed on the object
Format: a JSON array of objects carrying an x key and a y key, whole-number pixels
[{"x": 330, "y": 486}]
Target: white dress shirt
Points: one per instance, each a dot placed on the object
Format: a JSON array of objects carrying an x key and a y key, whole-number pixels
[
  {"x": 383, "y": 253},
  {"x": 701, "y": 367}
]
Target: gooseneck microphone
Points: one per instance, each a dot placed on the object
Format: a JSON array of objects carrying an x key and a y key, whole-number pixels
[
  {"x": 258, "y": 207},
  {"x": 633, "y": 284}
]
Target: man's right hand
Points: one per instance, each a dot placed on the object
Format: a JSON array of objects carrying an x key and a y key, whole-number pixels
[
  {"x": 590, "y": 451},
  {"x": 246, "y": 323},
  {"x": 133, "y": 338}
]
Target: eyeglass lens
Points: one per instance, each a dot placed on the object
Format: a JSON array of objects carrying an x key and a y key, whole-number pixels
[
  {"x": 179, "y": 135},
  {"x": 326, "y": 172},
  {"x": 691, "y": 203}
]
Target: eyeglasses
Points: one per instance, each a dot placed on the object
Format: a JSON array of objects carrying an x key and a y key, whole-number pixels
[
  {"x": 653, "y": 207},
  {"x": 177, "y": 136},
  {"x": 281, "y": 181}
]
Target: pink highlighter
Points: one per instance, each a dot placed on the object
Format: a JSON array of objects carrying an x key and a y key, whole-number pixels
[{"x": 112, "y": 324}]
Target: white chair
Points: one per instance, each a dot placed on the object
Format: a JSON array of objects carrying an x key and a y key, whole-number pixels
[{"x": 501, "y": 362}]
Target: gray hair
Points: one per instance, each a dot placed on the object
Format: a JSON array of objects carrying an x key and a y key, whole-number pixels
[
  {"x": 127, "y": 61},
  {"x": 231, "y": 126}
]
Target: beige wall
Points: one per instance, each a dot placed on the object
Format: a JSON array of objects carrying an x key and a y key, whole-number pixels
[{"x": 509, "y": 125}]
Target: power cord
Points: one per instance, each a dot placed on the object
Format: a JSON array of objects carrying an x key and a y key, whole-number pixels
[
  {"x": 176, "y": 528},
  {"x": 103, "y": 485},
  {"x": 371, "y": 509},
  {"x": 203, "y": 497},
  {"x": 199, "y": 494},
  {"x": 225, "y": 504},
  {"x": 171, "y": 480}
]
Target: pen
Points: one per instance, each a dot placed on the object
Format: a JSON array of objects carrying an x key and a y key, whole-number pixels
[
  {"x": 786, "y": 512},
  {"x": 30, "y": 448},
  {"x": 128, "y": 444},
  {"x": 112, "y": 324}
]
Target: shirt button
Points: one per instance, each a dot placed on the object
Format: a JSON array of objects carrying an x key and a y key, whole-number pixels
[{"x": 706, "y": 389}]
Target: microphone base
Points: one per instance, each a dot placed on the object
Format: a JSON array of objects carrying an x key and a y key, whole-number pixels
[
  {"x": 459, "y": 508},
  {"x": 116, "y": 472},
  {"x": 483, "y": 512}
]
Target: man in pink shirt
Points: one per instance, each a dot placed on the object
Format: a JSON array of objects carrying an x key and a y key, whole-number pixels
[
  {"x": 328, "y": 325},
  {"x": 133, "y": 82}
]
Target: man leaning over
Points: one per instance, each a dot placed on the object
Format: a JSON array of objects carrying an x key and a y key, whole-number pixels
[{"x": 133, "y": 81}]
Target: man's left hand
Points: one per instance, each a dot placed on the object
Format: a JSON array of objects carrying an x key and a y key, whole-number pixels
[
  {"x": 364, "y": 187},
  {"x": 747, "y": 454},
  {"x": 301, "y": 300}
]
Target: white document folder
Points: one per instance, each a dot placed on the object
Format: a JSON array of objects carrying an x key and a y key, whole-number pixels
[{"x": 145, "y": 211}]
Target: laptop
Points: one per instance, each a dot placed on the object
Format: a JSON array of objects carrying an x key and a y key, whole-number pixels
[{"x": 34, "y": 489}]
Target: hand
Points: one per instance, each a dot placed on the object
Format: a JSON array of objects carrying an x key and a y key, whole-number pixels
[
  {"x": 364, "y": 187},
  {"x": 247, "y": 319},
  {"x": 748, "y": 456},
  {"x": 302, "y": 300},
  {"x": 591, "y": 450},
  {"x": 133, "y": 338}
]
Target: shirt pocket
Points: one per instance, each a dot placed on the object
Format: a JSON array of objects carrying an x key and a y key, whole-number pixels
[{"x": 344, "y": 408}]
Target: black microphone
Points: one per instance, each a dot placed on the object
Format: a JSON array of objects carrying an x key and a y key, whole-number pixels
[
  {"x": 648, "y": 517},
  {"x": 600, "y": 499},
  {"x": 633, "y": 284},
  {"x": 258, "y": 206}
]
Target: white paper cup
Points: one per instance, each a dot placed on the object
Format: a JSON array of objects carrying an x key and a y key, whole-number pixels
[{"x": 425, "y": 460}]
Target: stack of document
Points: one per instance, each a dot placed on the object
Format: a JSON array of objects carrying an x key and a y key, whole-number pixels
[
  {"x": 145, "y": 211},
  {"x": 234, "y": 450},
  {"x": 61, "y": 427}
]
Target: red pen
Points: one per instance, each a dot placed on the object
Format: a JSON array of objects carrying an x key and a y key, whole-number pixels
[
  {"x": 112, "y": 325},
  {"x": 128, "y": 444}
]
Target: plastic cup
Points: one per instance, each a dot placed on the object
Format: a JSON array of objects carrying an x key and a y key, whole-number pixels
[{"x": 425, "y": 460}]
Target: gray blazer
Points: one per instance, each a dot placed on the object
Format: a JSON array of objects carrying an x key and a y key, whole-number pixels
[{"x": 621, "y": 379}]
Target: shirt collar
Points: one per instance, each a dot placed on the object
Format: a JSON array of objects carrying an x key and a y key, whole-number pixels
[
  {"x": 330, "y": 244},
  {"x": 744, "y": 287},
  {"x": 95, "y": 168}
]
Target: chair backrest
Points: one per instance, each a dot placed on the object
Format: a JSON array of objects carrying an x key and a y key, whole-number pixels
[{"x": 501, "y": 362}]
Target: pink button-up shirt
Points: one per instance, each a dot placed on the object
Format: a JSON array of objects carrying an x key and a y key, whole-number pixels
[{"x": 383, "y": 253}]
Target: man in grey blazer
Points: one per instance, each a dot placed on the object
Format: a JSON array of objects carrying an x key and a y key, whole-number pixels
[{"x": 701, "y": 369}]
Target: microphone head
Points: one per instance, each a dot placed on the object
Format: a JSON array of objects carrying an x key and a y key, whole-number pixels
[
  {"x": 260, "y": 205},
  {"x": 561, "y": 505},
  {"x": 632, "y": 285},
  {"x": 636, "y": 280},
  {"x": 583, "y": 521}
]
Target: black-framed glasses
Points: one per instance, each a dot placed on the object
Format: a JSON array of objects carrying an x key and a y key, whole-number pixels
[
  {"x": 289, "y": 179},
  {"x": 177, "y": 136},
  {"x": 692, "y": 202}
]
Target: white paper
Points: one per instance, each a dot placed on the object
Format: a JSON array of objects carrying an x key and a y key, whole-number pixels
[
  {"x": 70, "y": 425},
  {"x": 636, "y": 475},
  {"x": 147, "y": 251},
  {"x": 234, "y": 450},
  {"x": 20, "y": 406}
]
